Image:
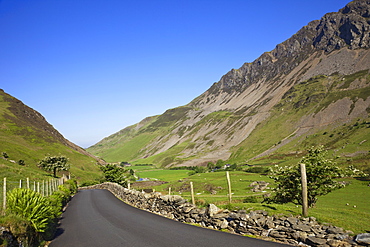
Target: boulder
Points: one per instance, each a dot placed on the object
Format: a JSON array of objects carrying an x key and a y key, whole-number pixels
[
  {"x": 292, "y": 220},
  {"x": 338, "y": 243},
  {"x": 334, "y": 230},
  {"x": 212, "y": 210},
  {"x": 314, "y": 241},
  {"x": 363, "y": 238},
  {"x": 187, "y": 209},
  {"x": 224, "y": 224},
  {"x": 276, "y": 234},
  {"x": 301, "y": 227}
]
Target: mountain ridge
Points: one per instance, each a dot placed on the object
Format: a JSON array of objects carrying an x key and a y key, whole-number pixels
[
  {"x": 25, "y": 115},
  {"x": 26, "y": 135},
  {"x": 225, "y": 115}
]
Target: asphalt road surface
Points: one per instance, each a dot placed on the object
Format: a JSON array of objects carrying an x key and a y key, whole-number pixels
[{"x": 96, "y": 218}]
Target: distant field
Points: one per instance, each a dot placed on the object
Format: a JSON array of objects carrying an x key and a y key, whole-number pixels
[
  {"x": 331, "y": 208},
  {"x": 162, "y": 175}
]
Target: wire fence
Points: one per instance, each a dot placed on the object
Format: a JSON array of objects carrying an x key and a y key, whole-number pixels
[{"x": 44, "y": 187}]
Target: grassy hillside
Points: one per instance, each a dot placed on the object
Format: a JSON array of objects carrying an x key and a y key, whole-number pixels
[
  {"x": 29, "y": 139},
  {"x": 280, "y": 139},
  {"x": 285, "y": 134},
  {"x": 132, "y": 143}
]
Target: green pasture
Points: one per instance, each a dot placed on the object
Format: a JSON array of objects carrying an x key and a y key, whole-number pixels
[
  {"x": 140, "y": 168},
  {"x": 347, "y": 207},
  {"x": 161, "y": 175}
]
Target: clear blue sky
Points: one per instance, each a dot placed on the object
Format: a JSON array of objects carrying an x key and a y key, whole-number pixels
[{"x": 93, "y": 67}]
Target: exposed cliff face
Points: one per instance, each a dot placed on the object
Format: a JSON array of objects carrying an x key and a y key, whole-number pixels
[
  {"x": 223, "y": 117},
  {"x": 349, "y": 28}
]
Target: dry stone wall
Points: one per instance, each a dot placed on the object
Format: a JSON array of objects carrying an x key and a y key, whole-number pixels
[{"x": 297, "y": 231}]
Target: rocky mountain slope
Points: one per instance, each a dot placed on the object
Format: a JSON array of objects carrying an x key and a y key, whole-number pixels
[
  {"x": 26, "y": 135},
  {"x": 312, "y": 83}
]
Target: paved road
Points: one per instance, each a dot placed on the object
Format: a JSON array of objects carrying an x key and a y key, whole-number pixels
[{"x": 97, "y": 218}]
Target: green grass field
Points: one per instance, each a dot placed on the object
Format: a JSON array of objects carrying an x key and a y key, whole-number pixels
[
  {"x": 159, "y": 174},
  {"x": 331, "y": 208}
]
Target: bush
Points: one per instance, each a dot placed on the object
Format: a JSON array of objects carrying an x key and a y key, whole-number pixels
[
  {"x": 114, "y": 174},
  {"x": 71, "y": 185},
  {"x": 320, "y": 173},
  {"x": 32, "y": 206},
  {"x": 61, "y": 197},
  {"x": 32, "y": 218}
]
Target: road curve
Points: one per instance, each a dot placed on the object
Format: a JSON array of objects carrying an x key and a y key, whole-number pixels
[{"x": 96, "y": 218}]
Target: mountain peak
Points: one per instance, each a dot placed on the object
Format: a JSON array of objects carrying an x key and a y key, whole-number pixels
[
  {"x": 348, "y": 27},
  {"x": 318, "y": 77},
  {"x": 359, "y": 7}
]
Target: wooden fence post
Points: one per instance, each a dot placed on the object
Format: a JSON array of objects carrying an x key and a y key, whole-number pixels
[
  {"x": 20, "y": 183},
  {"x": 192, "y": 193},
  {"x": 28, "y": 183},
  {"x": 51, "y": 189},
  {"x": 229, "y": 185},
  {"x": 304, "y": 190},
  {"x": 4, "y": 195},
  {"x": 169, "y": 191}
]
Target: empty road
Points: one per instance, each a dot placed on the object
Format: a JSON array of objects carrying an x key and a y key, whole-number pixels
[{"x": 98, "y": 218}]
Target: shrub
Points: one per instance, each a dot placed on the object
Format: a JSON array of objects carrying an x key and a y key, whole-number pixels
[
  {"x": 32, "y": 206},
  {"x": 59, "y": 198},
  {"x": 71, "y": 185},
  {"x": 114, "y": 174},
  {"x": 320, "y": 172}
]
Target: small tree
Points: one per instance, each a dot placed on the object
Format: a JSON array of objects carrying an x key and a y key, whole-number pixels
[
  {"x": 54, "y": 163},
  {"x": 320, "y": 179},
  {"x": 114, "y": 174}
]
